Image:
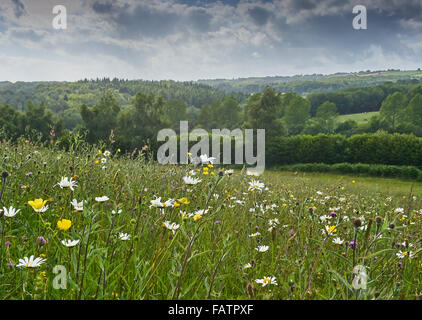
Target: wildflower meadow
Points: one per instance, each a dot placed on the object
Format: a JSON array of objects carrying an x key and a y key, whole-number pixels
[{"x": 90, "y": 223}]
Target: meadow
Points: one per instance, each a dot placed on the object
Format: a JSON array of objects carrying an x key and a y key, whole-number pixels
[{"x": 124, "y": 227}]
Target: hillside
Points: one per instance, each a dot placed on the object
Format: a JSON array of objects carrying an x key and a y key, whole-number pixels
[{"x": 306, "y": 84}]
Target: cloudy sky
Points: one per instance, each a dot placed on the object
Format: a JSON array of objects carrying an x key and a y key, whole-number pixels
[{"x": 202, "y": 39}]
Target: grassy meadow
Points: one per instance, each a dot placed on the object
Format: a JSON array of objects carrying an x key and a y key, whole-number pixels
[
  {"x": 358, "y": 117},
  {"x": 124, "y": 227}
]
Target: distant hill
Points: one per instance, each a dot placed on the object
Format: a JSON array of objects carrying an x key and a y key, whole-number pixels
[{"x": 306, "y": 84}]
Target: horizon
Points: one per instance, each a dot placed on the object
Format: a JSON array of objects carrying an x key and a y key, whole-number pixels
[{"x": 219, "y": 79}]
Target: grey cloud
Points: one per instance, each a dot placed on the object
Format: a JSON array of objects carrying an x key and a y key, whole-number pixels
[
  {"x": 259, "y": 15},
  {"x": 19, "y": 8}
]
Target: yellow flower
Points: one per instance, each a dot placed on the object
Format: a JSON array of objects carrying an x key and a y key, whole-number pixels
[
  {"x": 97, "y": 162},
  {"x": 210, "y": 166},
  {"x": 37, "y": 204},
  {"x": 184, "y": 201},
  {"x": 100, "y": 152},
  {"x": 197, "y": 217},
  {"x": 176, "y": 204},
  {"x": 43, "y": 255},
  {"x": 353, "y": 181},
  {"x": 64, "y": 224},
  {"x": 118, "y": 150}
]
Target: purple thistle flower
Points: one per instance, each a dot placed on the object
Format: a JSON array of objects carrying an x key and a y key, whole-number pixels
[
  {"x": 353, "y": 243},
  {"x": 291, "y": 232},
  {"x": 29, "y": 174},
  {"x": 40, "y": 241},
  {"x": 7, "y": 244},
  {"x": 10, "y": 264}
]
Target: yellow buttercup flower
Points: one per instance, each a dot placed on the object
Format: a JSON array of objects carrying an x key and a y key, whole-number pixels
[
  {"x": 37, "y": 204},
  {"x": 176, "y": 204},
  {"x": 197, "y": 217},
  {"x": 64, "y": 224},
  {"x": 184, "y": 201},
  {"x": 100, "y": 152}
]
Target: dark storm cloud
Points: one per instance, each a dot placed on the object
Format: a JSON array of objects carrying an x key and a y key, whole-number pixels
[
  {"x": 19, "y": 8},
  {"x": 102, "y": 8},
  {"x": 259, "y": 15}
]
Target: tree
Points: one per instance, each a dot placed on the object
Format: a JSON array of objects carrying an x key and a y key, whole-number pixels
[
  {"x": 392, "y": 108},
  {"x": 140, "y": 123},
  {"x": 414, "y": 110},
  {"x": 296, "y": 115},
  {"x": 102, "y": 118},
  {"x": 263, "y": 110}
]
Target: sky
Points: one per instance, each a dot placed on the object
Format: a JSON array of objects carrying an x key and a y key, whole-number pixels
[{"x": 204, "y": 39}]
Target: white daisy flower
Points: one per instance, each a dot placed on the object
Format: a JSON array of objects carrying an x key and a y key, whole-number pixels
[
  {"x": 267, "y": 280},
  {"x": 253, "y": 235},
  {"x": 338, "y": 241},
  {"x": 204, "y": 159},
  {"x": 31, "y": 262},
  {"x": 69, "y": 243},
  {"x": 255, "y": 185},
  {"x": 11, "y": 212},
  {"x": 124, "y": 236},
  {"x": 65, "y": 182},
  {"x": 262, "y": 248},
  {"x": 158, "y": 204},
  {"x": 171, "y": 226},
  {"x": 102, "y": 199},
  {"x": 247, "y": 266},
  {"x": 191, "y": 181},
  {"x": 78, "y": 206},
  {"x": 107, "y": 153},
  {"x": 252, "y": 173}
]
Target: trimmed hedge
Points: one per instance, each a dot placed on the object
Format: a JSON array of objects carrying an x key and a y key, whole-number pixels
[
  {"x": 379, "y": 148},
  {"x": 387, "y": 171}
]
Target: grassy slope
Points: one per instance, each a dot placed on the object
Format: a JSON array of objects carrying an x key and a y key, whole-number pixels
[
  {"x": 358, "y": 117},
  {"x": 157, "y": 264}
]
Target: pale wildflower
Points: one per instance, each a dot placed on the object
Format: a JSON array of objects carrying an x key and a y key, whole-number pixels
[
  {"x": 69, "y": 243},
  {"x": 11, "y": 212},
  {"x": 255, "y": 185},
  {"x": 124, "y": 236},
  {"x": 262, "y": 248},
  {"x": 191, "y": 181},
  {"x": 267, "y": 280},
  {"x": 171, "y": 226},
  {"x": 65, "y": 182},
  {"x": 31, "y": 262},
  {"x": 102, "y": 199},
  {"x": 338, "y": 241},
  {"x": 78, "y": 206}
]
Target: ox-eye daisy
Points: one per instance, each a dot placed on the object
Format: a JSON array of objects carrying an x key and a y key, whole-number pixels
[
  {"x": 11, "y": 212},
  {"x": 171, "y": 226},
  {"x": 31, "y": 262},
  {"x": 267, "y": 280},
  {"x": 65, "y": 182},
  {"x": 262, "y": 248},
  {"x": 69, "y": 243},
  {"x": 255, "y": 185}
]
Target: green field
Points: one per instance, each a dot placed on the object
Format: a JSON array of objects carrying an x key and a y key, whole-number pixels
[
  {"x": 358, "y": 117},
  {"x": 277, "y": 236}
]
